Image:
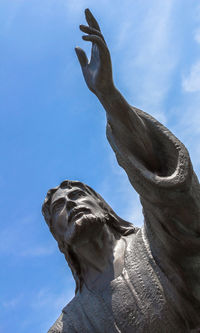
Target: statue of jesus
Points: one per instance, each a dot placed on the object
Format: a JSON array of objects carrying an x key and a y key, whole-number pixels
[{"x": 130, "y": 279}]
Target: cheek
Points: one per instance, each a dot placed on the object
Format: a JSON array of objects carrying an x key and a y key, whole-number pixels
[
  {"x": 92, "y": 204},
  {"x": 98, "y": 209},
  {"x": 70, "y": 234},
  {"x": 60, "y": 222}
]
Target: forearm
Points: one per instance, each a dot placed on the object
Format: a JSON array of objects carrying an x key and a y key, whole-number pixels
[
  {"x": 129, "y": 127},
  {"x": 126, "y": 124}
]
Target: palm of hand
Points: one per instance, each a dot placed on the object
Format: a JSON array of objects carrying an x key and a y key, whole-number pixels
[
  {"x": 92, "y": 72},
  {"x": 97, "y": 72}
]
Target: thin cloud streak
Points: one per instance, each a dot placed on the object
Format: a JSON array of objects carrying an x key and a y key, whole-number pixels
[
  {"x": 189, "y": 124},
  {"x": 50, "y": 304},
  {"x": 197, "y": 35},
  {"x": 19, "y": 240},
  {"x": 192, "y": 82},
  {"x": 38, "y": 251},
  {"x": 12, "y": 303}
]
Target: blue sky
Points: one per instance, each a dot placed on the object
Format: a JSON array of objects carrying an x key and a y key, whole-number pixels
[{"x": 53, "y": 128}]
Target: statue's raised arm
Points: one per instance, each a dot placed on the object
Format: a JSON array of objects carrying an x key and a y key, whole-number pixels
[
  {"x": 99, "y": 79},
  {"x": 154, "y": 159}
]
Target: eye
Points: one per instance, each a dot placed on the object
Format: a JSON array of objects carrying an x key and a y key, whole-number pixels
[
  {"x": 58, "y": 205},
  {"x": 80, "y": 194},
  {"x": 76, "y": 194}
]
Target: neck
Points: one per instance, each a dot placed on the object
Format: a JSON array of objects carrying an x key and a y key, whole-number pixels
[{"x": 101, "y": 258}]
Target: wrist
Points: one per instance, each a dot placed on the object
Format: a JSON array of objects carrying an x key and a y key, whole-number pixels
[{"x": 108, "y": 95}]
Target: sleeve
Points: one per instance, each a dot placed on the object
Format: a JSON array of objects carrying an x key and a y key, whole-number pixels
[{"x": 171, "y": 197}]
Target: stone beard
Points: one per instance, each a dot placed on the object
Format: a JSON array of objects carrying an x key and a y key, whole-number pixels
[{"x": 129, "y": 279}]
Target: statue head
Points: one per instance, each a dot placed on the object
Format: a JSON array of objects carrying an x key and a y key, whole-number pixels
[{"x": 75, "y": 213}]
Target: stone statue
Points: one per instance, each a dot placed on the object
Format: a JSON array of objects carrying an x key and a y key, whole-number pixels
[{"x": 130, "y": 279}]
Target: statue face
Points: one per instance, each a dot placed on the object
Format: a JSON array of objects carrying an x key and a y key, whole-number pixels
[{"x": 75, "y": 215}]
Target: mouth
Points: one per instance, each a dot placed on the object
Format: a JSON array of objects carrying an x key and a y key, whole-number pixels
[{"x": 76, "y": 213}]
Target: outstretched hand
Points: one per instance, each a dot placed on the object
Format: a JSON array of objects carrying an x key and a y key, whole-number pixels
[{"x": 98, "y": 71}]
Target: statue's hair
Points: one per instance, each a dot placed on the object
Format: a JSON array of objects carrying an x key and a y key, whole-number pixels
[{"x": 113, "y": 221}]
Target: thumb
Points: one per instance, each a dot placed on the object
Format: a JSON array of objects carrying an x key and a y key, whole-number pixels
[{"x": 81, "y": 56}]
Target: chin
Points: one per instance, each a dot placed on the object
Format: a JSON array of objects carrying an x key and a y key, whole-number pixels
[{"x": 83, "y": 229}]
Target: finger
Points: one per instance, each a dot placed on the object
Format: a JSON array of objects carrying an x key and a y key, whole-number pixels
[
  {"x": 91, "y": 31},
  {"x": 81, "y": 56},
  {"x": 91, "y": 20},
  {"x": 101, "y": 45}
]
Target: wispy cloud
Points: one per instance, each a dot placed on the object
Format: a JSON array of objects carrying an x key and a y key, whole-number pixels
[
  {"x": 14, "y": 10},
  {"x": 45, "y": 297},
  {"x": 38, "y": 251},
  {"x": 76, "y": 8},
  {"x": 19, "y": 239},
  {"x": 197, "y": 35},
  {"x": 12, "y": 302},
  {"x": 192, "y": 82},
  {"x": 147, "y": 63},
  {"x": 50, "y": 304},
  {"x": 45, "y": 305},
  {"x": 189, "y": 124}
]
